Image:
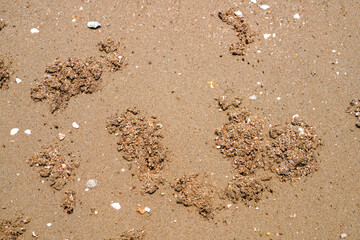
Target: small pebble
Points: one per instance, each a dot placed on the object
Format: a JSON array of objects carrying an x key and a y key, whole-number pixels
[
  {"x": 27, "y": 131},
  {"x": 295, "y": 116},
  {"x": 93, "y": 25},
  {"x": 34, "y": 30},
  {"x": 239, "y": 14},
  {"x": 75, "y": 125},
  {"x": 141, "y": 211},
  {"x": 18, "y": 80},
  {"x": 91, "y": 183},
  {"x": 14, "y": 131},
  {"x": 253, "y": 97},
  {"x": 296, "y": 16},
  {"x": 301, "y": 130},
  {"x": 267, "y": 35},
  {"x": 116, "y": 205},
  {"x": 253, "y": 1},
  {"x": 264, "y": 7},
  {"x": 61, "y": 136},
  {"x": 343, "y": 235},
  {"x": 147, "y": 209},
  {"x": 49, "y": 224}
]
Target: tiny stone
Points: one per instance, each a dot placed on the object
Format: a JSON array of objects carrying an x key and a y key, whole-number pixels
[
  {"x": 239, "y": 14},
  {"x": 116, "y": 205},
  {"x": 93, "y": 25},
  {"x": 253, "y": 97},
  {"x": 147, "y": 209},
  {"x": 296, "y": 16},
  {"x": 91, "y": 183},
  {"x": 61, "y": 136},
  {"x": 34, "y": 30},
  {"x": 14, "y": 131},
  {"x": 267, "y": 35},
  {"x": 27, "y": 131},
  {"x": 75, "y": 125},
  {"x": 49, "y": 224},
  {"x": 18, "y": 80},
  {"x": 264, "y": 7},
  {"x": 343, "y": 235}
]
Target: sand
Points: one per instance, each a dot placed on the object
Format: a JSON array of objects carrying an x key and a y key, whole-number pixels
[{"x": 295, "y": 174}]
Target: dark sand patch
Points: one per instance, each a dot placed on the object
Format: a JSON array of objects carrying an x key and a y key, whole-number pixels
[
  {"x": 54, "y": 167},
  {"x": 13, "y": 229},
  {"x": 114, "y": 60},
  {"x": 289, "y": 151},
  {"x": 191, "y": 192},
  {"x": 68, "y": 202},
  {"x": 3, "y": 24},
  {"x": 241, "y": 141},
  {"x": 4, "y": 73},
  {"x": 242, "y": 30},
  {"x": 292, "y": 150},
  {"x": 139, "y": 139},
  {"x": 131, "y": 234},
  {"x": 67, "y": 79},
  {"x": 245, "y": 189},
  {"x": 354, "y": 110}
]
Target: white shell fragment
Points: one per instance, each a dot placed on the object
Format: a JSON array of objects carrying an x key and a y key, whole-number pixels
[
  {"x": 343, "y": 235},
  {"x": 296, "y": 16},
  {"x": 116, "y": 205},
  {"x": 267, "y": 35},
  {"x": 27, "y": 131},
  {"x": 147, "y": 209},
  {"x": 253, "y": 97},
  {"x": 49, "y": 224},
  {"x": 301, "y": 131},
  {"x": 239, "y": 13},
  {"x": 14, "y": 131},
  {"x": 61, "y": 136},
  {"x": 91, "y": 183},
  {"x": 75, "y": 125},
  {"x": 18, "y": 80},
  {"x": 34, "y": 30},
  {"x": 253, "y": 1},
  {"x": 93, "y": 25},
  {"x": 264, "y": 7}
]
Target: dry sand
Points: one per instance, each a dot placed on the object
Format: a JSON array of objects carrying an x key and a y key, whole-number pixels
[{"x": 177, "y": 62}]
